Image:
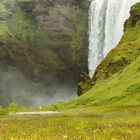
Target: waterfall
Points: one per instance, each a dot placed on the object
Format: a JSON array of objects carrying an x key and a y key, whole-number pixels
[{"x": 106, "y": 20}]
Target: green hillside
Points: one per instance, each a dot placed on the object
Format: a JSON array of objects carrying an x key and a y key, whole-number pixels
[{"x": 117, "y": 78}]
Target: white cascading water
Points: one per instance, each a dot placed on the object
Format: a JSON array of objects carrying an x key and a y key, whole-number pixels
[{"x": 106, "y": 22}]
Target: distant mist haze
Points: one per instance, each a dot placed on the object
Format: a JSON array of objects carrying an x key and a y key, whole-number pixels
[{"x": 14, "y": 87}]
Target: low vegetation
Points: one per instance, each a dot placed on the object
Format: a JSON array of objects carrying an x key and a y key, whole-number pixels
[{"x": 69, "y": 128}]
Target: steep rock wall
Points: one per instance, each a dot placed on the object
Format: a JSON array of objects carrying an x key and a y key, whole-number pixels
[{"x": 46, "y": 40}]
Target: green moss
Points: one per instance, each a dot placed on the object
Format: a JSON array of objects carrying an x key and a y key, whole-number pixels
[
  {"x": 135, "y": 88},
  {"x": 134, "y": 17},
  {"x": 85, "y": 84},
  {"x": 136, "y": 9}
]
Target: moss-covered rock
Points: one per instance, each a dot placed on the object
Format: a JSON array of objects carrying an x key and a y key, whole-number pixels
[{"x": 85, "y": 84}]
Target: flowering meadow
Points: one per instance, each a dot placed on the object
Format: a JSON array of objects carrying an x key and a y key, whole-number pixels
[{"x": 44, "y": 127}]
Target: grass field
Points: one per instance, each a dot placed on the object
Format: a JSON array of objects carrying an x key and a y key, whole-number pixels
[{"x": 110, "y": 127}]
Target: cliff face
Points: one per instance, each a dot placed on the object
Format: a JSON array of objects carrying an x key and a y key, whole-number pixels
[
  {"x": 46, "y": 40},
  {"x": 123, "y": 55}
]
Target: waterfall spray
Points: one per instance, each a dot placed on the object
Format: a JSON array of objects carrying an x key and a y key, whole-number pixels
[{"x": 106, "y": 20}]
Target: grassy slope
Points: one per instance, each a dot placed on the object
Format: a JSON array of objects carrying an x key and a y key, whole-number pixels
[
  {"x": 122, "y": 86},
  {"x": 125, "y": 53},
  {"x": 121, "y": 90}
]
